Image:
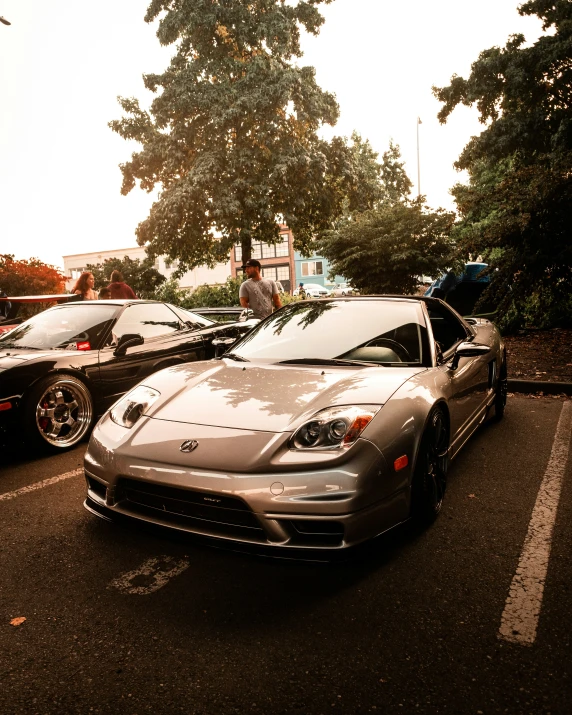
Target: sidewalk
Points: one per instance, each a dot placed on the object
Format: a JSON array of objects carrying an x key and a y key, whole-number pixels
[{"x": 548, "y": 388}]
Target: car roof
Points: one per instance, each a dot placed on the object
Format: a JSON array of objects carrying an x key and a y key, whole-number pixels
[
  {"x": 382, "y": 297},
  {"x": 115, "y": 301}
]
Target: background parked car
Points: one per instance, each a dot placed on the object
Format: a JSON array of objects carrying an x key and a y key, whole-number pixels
[
  {"x": 64, "y": 366},
  {"x": 313, "y": 290},
  {"x": 343, "y": 289},
  {"x": 228, "y": 314},
  {"x": 463, "y": 291}
]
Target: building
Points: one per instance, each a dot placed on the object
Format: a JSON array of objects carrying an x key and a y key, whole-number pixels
[
  {"x": 75, "y": 264},
  {"x": 277, "y": 259},
  {"x": 315, "y": 269}
]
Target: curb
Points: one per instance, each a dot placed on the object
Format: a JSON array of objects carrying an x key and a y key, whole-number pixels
[{"x": 549, "y": 388}]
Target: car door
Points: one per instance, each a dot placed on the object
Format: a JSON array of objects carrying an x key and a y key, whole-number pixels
[
  {"x": 467, "y": 378},
  {"x": 167, "y": 341}
]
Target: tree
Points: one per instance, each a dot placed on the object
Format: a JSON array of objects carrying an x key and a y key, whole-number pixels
[
  {"x": 385, "y": 250},
  {"x": 141, "y": 275},
  {"x": 231, "y": 137},
  {"x": 29, "y": 277},
  {"x": 395, "y": 184},
  {"x": 515, "y": 209}
]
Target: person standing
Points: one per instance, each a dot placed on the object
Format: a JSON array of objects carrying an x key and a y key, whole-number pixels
[
  {"x": 257, "y": 293},
  {"x": 118, "y": 288},
  {"x": 84, "y": 286}
]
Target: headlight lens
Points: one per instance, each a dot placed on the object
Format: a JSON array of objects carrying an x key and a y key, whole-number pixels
[
  {"x": 335, "y": 427},
  {"x": 131, "y": 406}
]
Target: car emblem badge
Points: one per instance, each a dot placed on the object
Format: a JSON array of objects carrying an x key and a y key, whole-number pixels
[{"x": 189, "y": 445}]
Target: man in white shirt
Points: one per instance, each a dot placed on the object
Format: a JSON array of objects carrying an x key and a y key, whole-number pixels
[{"x": 257, "y": 293}]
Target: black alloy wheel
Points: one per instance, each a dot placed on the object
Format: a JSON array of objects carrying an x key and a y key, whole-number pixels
[
  {"x": 430, "y": 476},
  {"x": 501, "y": 392},
  {"x": 58, "y": 412}
]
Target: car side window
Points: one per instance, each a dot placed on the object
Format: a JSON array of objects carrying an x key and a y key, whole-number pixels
[
  {"x": 150, "y": 320},
  {"x": 447, "y": 329}
]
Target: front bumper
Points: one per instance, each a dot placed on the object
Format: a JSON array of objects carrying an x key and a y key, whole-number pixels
[
  {"x": 316, "y": 505},
  {"x": 184, "y": 511}
]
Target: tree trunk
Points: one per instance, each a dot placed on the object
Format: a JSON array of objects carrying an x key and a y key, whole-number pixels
[{"x": 246, "y": 245}]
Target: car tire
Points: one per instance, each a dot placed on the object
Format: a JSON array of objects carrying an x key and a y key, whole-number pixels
[
  {"x": 58, "y": 412},
  {"x": 501, "y": 392},
  {"x": 431, "y": 467}
]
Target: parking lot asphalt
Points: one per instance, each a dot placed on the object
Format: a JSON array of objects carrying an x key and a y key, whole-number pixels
[{"x": 122, "y": 620}]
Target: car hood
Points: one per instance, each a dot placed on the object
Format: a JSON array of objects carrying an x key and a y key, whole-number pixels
[
  {"x": 12, "y": 357},
  {"x": 262, "y": 397}
]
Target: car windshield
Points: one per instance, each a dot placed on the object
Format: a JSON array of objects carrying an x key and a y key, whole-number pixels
[
  {"x": 67, "y": 326},
  {"x": 361, "y": 331}
]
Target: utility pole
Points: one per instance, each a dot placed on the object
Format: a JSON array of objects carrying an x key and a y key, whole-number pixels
[{"x": 418, "y": 165}]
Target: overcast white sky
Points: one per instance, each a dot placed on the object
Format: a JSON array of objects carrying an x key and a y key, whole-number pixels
[{"x": 64, "y": 62}]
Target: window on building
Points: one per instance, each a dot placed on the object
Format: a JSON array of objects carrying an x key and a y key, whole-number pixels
[
  {"x": 282, "y": 247},
  {"x": 265, "y": 250},
  {"x": 313, "y": 268},
  {"x": 276, "y": 273}
]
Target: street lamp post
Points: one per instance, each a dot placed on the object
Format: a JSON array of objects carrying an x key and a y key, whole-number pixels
[{"x": 418, "y": 166}]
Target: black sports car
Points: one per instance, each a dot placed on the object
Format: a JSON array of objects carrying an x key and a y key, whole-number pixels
[{"x": 61, "y": 368}]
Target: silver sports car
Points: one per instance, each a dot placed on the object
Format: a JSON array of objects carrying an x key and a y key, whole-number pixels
[{"x": 329, "y": 423}]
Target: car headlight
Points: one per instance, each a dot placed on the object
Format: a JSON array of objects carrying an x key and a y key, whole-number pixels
[
  {"x": 131, "y": 406},
  {"x": 334, "y": 427}
]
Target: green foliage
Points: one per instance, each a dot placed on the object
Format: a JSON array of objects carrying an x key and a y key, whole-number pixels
[
  {"x": 231, "y": 138},
  {"x": 214, "y": 296},
  {"x": 169, "y": 292},
  {"x": 29, "y": 276},
  {"x": 515, "y": 210},
  {"x": 395, "y": 184},
  {"x": 142, "y": 276},
  {"x": 385, "y": 250}
]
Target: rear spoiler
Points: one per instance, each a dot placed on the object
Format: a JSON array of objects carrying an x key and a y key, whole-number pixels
[{"x": 17, "y": 300}]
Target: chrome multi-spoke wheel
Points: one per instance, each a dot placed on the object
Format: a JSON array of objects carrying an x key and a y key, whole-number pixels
[
  {"x": 430, "y": 478},
  {"x": 62, "y": 411}
]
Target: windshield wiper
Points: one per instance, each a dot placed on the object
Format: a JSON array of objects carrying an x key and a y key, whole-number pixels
[
  {"x": 15, "y": 346},
  {"x": 328, "y": 361},
  {"x": 234, "y": 356}
]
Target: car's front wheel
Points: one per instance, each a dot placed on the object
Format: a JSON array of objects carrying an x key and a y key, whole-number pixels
[
  {"x": 59, "y": 412},
  {"x": 430, "y": 476},
  {"x": 501, "y": 392}
]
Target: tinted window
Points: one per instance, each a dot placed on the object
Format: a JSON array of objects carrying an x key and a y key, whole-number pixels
[
  {"x": 62, "y": 327},
  {"x": 447, "y": 329},
  {"x": 380, "y": 331},
  {"x": 149, "y": 320}
]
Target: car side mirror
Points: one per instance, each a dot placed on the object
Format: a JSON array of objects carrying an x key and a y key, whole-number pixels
[
  {"x": 221, "y": 345},
  {"x": 128, "y": 340},
  {"x": 468, "y": 349}
]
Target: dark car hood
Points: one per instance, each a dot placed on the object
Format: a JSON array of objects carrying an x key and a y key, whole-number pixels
[{"x": 11, "y": 357}]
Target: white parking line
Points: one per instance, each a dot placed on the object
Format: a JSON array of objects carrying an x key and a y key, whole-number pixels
[
  {"x": 519, "y": 621},
  {"x": 40, "y": 485},
  {"x": 150, "y": 577}
]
